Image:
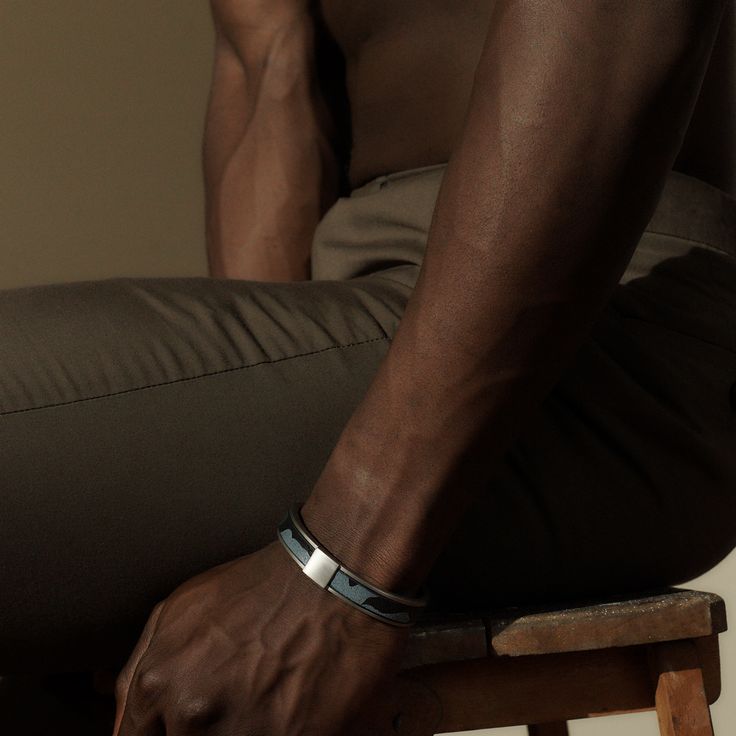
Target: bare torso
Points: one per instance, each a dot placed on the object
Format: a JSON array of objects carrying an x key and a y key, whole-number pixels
[{"x": 409, "y": 74}]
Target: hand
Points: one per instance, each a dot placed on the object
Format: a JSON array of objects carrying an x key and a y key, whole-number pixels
[{"x": 255, "y": 648}]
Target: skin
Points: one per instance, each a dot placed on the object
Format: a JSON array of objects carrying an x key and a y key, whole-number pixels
[
  {"x": 267, "y": 652},
  {"x": 430, "y": 89},
  {"x": 545, "y": 196},
  {"x": 270, "y": 168}
]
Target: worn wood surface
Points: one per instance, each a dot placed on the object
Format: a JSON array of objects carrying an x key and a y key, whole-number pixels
[
  {"x": 511, "y": 691},
  {"x": 670, "y": 614},
  {"x": 682, "y": 705},
  {"x": 494, "y": 691},
  {"x": 682, "y": 614},
  {"x": 451, "y": 639}
]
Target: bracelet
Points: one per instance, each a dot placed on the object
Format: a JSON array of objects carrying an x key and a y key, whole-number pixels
[{"x": 330, "y": 575}]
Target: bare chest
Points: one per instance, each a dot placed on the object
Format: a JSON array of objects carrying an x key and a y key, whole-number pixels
[{"x": 354, "y": 23}]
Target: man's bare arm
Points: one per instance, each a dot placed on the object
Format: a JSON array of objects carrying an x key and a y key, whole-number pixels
[
  {"x": 269, "y": 165},
  {"x": 577, "y": 113}
]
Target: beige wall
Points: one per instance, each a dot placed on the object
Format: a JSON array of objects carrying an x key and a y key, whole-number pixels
[
  {"x": 101, "y": 112},
  {"x": 100, "y": 126}
]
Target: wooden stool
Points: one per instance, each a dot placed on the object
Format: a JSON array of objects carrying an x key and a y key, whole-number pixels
[{"x": 541, "y": 666}]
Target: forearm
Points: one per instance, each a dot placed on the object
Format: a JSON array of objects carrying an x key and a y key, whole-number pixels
[
  {"x": 573, "y": 124},
  {"x": 270, "y": 171}
]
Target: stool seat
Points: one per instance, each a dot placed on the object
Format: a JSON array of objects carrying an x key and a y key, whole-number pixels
[{"x": 541, "y": 666}]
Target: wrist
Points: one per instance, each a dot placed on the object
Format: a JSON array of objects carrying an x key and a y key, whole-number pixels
[
  {"x": 332, "y": 575},
  {"x": 369, "y": 528},
  {"x": 385, "y": 507}
]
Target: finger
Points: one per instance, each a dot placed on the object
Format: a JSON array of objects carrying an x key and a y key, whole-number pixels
[{"x": 125, "y": 678}]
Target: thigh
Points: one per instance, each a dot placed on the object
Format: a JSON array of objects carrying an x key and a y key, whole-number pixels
[
  {"x": 153, "y": 428},
  {"x": 625, "y": 478}
]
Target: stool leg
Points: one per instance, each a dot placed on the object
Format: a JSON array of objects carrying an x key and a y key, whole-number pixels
[
  {"x": 682, "y": 708},
  {"x": 548, "y": 729}
]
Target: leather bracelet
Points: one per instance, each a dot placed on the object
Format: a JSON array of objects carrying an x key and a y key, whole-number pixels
[{"x": 330, "y": 575}]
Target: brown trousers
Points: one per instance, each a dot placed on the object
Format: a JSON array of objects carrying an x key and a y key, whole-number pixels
[{"x": 153, "y": 428}]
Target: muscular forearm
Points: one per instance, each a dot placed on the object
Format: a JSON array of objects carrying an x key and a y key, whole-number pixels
[
  {"x": 270, "y": 171},
  {"x": 577, "y": 113}
]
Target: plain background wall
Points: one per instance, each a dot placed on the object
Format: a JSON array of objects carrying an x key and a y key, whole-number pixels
[
  {"x": 101, "y": 115},
  {"x": 101, "y": 112}
]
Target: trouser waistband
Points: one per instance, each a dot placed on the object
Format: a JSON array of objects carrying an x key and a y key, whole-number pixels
[
  {"x": 693, "y": 210},
  {"x": 688, "y": 208}
]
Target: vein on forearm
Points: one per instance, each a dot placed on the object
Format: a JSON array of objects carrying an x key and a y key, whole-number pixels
[
  {"x": 575, "y": 119},
  {"x": 577, "y": 112}
]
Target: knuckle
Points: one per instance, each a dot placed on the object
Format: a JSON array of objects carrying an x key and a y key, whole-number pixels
[
  {"x": 149, "y": 683},
  {"x": 196, "y": 711}
]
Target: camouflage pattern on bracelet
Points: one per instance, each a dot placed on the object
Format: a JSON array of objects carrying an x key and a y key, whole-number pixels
[{"x": 387, "y": 607}]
